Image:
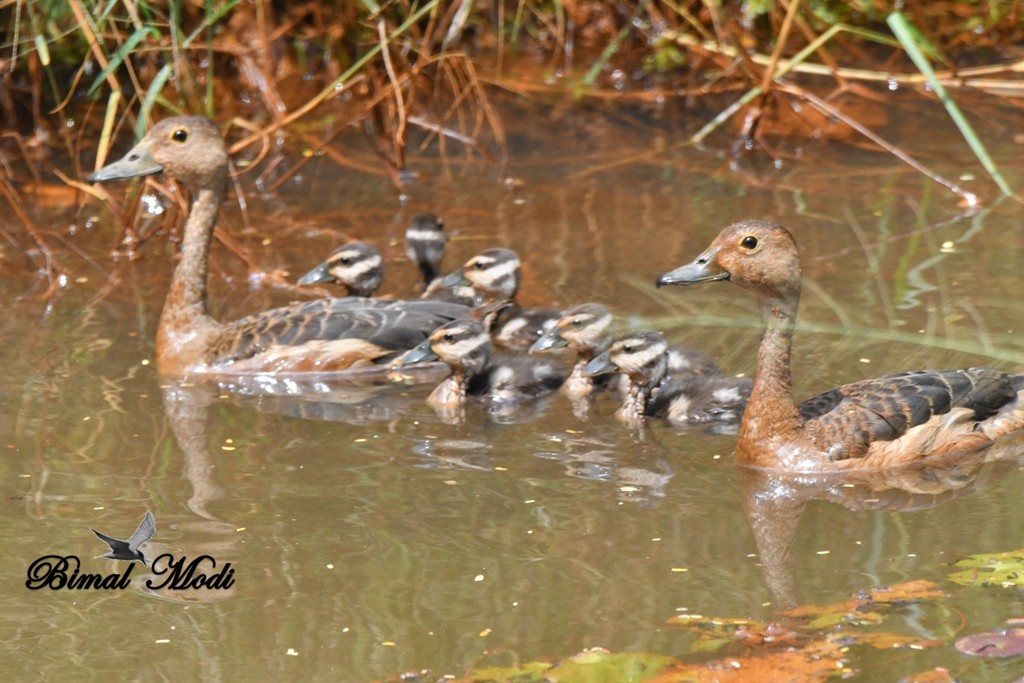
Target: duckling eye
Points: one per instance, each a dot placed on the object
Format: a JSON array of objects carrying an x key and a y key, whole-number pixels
[
  {"x": 479, "y": 265},
  {"x": 749, "y": 242},
  {"x": 179, "y": 135},
  {"x": 345, "y": 260},
  {"x": 448, "y": 338},
  {"x": 628, "y": 348},
  {"x": 577, "y": 323}
]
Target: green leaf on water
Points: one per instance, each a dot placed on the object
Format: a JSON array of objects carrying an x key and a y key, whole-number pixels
[
  {"x": 532, "y": 672},
  {"x": 995, "y": 569},
  {"x": 598, "y": 666}
]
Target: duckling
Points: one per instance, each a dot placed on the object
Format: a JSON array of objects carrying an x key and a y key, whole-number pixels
[
  {"x": 873, "y": 424},
  {"x": 425, "y": 244},
  {"x": 583, "y": 329},
  {"x": 323, "y": 335},
  {"x": 498, "y": 378},
  {"x": 355, "y": 265},
  {"x": 643, "y": 357},
  {"x": 495, "y": 275}
]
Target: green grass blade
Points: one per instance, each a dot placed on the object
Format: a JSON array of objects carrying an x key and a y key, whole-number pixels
[
  {"x": 904, "y": 32},
  {"x": 118, "y": 58},
  {"x": 613, "y": 46},
  {"x": 152, "y": 93}
]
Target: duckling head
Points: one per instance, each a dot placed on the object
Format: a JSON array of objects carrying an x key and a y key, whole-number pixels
[
  {"x": 495, "y": 272},
  {"x": 356, "y": 265}
]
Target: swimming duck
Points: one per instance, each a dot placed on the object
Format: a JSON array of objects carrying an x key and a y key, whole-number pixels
[
  {"x": 477, "y": 370},
  {"x": 354, "y": 265},
  {"x": 495, "y": 275},
  {"x": 685, "y": 396},
  {"x": 872, "y": 424},
  {"x": 425, "y": 244},
  {"x": 583, "y": 329},
  {"x": 322, "y": 335}
]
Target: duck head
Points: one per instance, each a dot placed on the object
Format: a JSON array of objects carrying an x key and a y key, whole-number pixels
[
  {"x": 190, "y": 149},
  {"x": 756, "y": 255}
]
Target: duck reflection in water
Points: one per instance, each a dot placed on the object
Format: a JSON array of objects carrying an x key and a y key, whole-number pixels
[{"x": 774, "y": 501}]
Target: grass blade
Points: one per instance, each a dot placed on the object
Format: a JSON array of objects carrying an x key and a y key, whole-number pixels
[
  {"x": 119, "y": 56},
  {"x": 904, "y": 32}
]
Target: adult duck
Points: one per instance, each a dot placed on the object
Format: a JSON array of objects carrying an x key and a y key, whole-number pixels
[
  {"x": 322, "y": 335},
  {"x": 872, "y": 424}
]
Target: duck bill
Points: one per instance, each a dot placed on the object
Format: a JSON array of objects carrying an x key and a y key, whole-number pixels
[
  {"x": 600, "y": 365},
  {"x": 456, "y": 279},
  {"x": 549, "y": 340},
  {"x": 419, "y": 354},
  {"x": 138, "y": 162},
  {"x": 704, "y": 268},
  {"x": 318, "y": 275}
]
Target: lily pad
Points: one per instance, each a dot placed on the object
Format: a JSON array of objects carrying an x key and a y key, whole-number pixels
[
  {"x": 995, "y": 569},
  {"x": 1008, "y": 643}
]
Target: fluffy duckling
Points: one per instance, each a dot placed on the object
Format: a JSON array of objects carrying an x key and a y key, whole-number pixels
[
  {"x": 499, "y": 378},
  {"x": 584, "y": 329},
  {"x": 643, "y": 357},
  {"x": 354, "y": 265},
  {"x": 315, "y": 336},
  {"x": 495, "y": 275},
  {"x": 872, "y": 424},
  {"x": 425, "y": 244}
]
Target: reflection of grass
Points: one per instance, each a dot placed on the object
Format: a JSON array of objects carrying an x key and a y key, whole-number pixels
[{"x": 689, "y": 316}]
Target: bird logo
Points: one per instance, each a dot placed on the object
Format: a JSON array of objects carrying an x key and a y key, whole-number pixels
[{"x": 129, "y": 550}]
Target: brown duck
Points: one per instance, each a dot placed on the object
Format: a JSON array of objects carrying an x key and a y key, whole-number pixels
[
  {"x": 872, "y": 424},
  {"x": 316, "y": 336}
]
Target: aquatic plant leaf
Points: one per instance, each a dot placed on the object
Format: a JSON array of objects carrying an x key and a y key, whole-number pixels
[
  {"x": 995, "y": 569},
  {"x": 599, "y": 666},
  {"x": 893, "y": 641},
  {"x": 858, "y": 608},
  {"x": 1008, "y": 643},
  {"x": 532, "y": 672},
  {"x": 817, "y": 661},
  {"x": 936, "y": 675}
]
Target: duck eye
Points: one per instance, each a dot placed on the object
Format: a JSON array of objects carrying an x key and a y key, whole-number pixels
[
  {"x": 479, "y": 265},
  {"x": 179, "y": 135},
  {"x": 628, "y": 348},
  {"x": 577, "y": 323},
  {"x": 749, "y": 242},
  {"x": 345, "y": 260},
  {"x": 448, "y": 338}
]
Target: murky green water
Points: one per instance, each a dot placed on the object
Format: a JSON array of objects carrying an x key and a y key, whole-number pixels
[{"x": 367, "y": 538}]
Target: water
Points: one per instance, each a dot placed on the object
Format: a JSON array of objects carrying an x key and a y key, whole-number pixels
[{"x": 368, "y": 538}]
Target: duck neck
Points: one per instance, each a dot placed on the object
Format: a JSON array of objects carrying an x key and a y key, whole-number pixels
[
  {"x": 185, "y": 323},
  {"x": 771, "y": 411}
]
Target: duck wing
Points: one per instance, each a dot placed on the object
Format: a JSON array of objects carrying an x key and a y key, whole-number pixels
[
  {"x": 378, "y": 328},
  {"x": 845, "y": 421}
]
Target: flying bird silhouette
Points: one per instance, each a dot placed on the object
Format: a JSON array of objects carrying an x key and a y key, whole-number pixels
[{"x": 129, "y": 550}]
